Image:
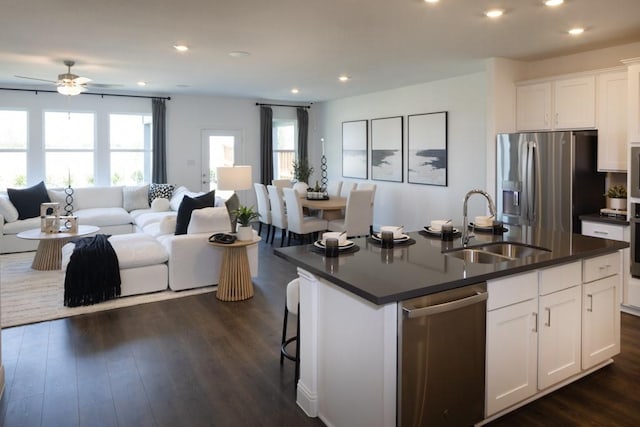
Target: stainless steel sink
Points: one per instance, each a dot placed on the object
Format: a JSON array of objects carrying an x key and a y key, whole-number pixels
[
  {"x": 492, "y": 253},
  {"x": 514, "y": 250},
  {"x": 477, "y": 256}
]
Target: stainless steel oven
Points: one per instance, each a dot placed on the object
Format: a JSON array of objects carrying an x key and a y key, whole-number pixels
[{"x": 635, "y": 240}]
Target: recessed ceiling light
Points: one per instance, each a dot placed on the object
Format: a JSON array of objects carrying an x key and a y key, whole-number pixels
[
  {"x": 238, "y": 54},
  {"x": 344, "y": 78},
  {"x": 494, "y": 13},
  {"x": 431, "y": 1},
  {"x": 553, "y": 2},
  {"x": 294, "y": 90},
  {"x": 180, "y": 47},
  {"x": 576, "y": 31},
  {"x": 141, "y": 83}
]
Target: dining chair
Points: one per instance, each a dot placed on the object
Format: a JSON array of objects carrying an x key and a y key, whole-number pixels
[
  {"x": 278, "y": 213},
  {"x": 297, "y": 223},
  {"x": 357, "y": 213},
  {"x": 333, "y": 189},
  {"x": 346, "y": 188},
  {"x": 372, "y": 187},
  {"x": 264, "y": 207},
  {"x": 282, "y": 183},
  {"x": 301, "y": 189}
]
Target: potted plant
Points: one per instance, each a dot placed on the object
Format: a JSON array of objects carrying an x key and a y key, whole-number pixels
[
  {"x": 302, "y": 170},
  {"x": 244, "y": 216},
  {"x": 617, "y": 197}
]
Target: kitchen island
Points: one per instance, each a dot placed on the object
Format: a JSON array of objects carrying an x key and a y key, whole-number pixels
[{"x": 349, "y": 308}]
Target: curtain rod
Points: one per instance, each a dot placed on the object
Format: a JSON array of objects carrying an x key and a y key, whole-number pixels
[
  {"x": 282, "y": 105},
  {"x": 168, "y": 98}
]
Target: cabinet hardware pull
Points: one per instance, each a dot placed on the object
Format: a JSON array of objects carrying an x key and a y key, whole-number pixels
[
  {"x": 548, "y": 322},
  {"x": 535, "y": 323},
  {"x": 590, "y": 296},
  {"x": 601, "y": 232}
]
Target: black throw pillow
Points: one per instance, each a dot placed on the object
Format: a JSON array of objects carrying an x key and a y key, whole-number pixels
[
  {"x": 187, "y": 206},
  {"x": 28, "y": 200}
]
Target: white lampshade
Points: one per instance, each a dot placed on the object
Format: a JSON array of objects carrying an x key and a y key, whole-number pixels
[
  {"x": 234, "y": 178},
  {"x": 70, "y": 90}
]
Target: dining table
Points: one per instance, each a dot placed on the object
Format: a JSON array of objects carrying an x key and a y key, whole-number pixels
[{"x": 331, "y": 208}]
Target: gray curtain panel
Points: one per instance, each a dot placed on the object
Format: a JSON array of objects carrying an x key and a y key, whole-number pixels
[
  {"x": 266, "y": 145},
  {"x": 303, "y": 133},
  {"x": 159, "y": 138}
]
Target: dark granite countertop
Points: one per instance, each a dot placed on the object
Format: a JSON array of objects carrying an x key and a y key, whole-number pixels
[
  {"x": 383, "y": 276},
  {"x": 596, "y": 217}
]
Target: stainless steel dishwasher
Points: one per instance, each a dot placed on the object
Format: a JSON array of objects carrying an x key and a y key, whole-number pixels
[{"x": 441, "y": 359}]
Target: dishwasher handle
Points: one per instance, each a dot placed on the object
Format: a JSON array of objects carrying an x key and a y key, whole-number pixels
[{"x": 447, "y": 306}]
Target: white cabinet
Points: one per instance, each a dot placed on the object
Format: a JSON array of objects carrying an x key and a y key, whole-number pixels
[
  {"x": 604, "y": 230},
  {"x": 512, "y": 341},
  {"x": 612, "y": 121},
  {"x": 601, "y": 309},
  {"x": 633, "y": 101},
  {"x": 560, "y": 104}
]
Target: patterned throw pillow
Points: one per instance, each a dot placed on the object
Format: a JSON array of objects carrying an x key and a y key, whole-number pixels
[{"x": 160, "y": 190}]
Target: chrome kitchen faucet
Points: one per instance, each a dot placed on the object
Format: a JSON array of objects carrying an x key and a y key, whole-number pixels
[{"x": 492, "y": 208}]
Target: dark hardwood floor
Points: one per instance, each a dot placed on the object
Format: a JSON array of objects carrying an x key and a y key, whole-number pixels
[{"x": 197, "y": 361}]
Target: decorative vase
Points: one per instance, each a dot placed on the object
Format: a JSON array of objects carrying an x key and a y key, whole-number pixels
[
  {"x": 617, "y": 204},
  {"x": 245, "y": 233}
]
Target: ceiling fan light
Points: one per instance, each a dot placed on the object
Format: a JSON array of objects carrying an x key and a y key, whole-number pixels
[{"x": 70, "y": 90}]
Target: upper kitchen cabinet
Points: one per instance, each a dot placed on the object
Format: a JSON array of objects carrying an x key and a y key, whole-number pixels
[
  {"x": 559, "y": 104},
  {"x": 612, "y": 121},
  {"x": 633, "y": 102}
]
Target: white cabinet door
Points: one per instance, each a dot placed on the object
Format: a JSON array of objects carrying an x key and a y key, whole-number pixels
[
  {"x": 600, "y": 321},
  {"x": 574, "y": 103},
  {"x": 533, "y": 107},
  {"x": 512, "y": 359},
  {"x": 559, "y": 336},
  {"x": 604, "y": 230},
  {"x": 633, "y": 102},
  {"x": 612, "y": 121}
]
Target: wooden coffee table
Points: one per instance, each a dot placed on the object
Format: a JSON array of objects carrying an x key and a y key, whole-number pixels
[
  {"x": 235, "y": 275},
  {"x": 49, "y": 253}
]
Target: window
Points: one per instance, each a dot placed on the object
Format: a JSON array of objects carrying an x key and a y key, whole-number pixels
[
  {"x": 69, "y": 148},
  {"x": 284, "y": 148},
  {"x": 131, "y": 148},
  {"x": 13, "y": 148}
]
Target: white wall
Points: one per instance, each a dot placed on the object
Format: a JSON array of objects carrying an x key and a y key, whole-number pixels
[{"x": 414, "y": 205}]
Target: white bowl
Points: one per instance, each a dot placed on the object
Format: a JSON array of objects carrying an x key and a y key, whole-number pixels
[
  {"x": 436, "y": 224},
  {"x": 342, "y": 237},
  {"x": 483, "y": 221},
  {"x": 397, "y": 231}
]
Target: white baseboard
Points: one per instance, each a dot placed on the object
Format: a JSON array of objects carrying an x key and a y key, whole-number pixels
[{"x": 307, "y": 400}]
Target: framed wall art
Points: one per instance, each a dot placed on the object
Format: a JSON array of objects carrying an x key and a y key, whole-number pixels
[
  {"x": 427, "y": 149},
  {"x": 355, "y": 149},
  {"x": 386, "y": 149}
]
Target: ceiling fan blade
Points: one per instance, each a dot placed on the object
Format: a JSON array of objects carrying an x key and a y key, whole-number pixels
[
  {"x": 81, "y": 80},
  {"x": 105, "y": 85},
  {"x": 33, "y": 78}
]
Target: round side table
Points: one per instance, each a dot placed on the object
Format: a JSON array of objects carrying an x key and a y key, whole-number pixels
[{"x": 235, "y": 275}]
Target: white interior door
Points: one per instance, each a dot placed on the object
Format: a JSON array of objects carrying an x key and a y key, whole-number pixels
[{"x": 220, "y": 147}]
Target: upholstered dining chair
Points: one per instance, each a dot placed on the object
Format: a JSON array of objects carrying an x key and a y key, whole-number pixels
[
  {"x": 282, "y": 183},
  {"x": 357, "y": 213},
  {"x": 264, "y": 207},
  {"x": 346, "y": 188},
  {"x": 333, "y": 188},
  {"x": 372, "y": 187},
  {"x": 297, "y": 223},
  {"x": 278, "y": 213}
]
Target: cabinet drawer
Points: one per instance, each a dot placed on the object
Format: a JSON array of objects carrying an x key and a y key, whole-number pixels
[
  {"x": 604, "y": 231},
  {"x": 562, "y": 277},
  {"x": 599, "y": 267},
  {"x": 511, "y": 290}
]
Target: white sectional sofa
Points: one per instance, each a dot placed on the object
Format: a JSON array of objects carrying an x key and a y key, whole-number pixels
[{"x": 190, "y": 261}]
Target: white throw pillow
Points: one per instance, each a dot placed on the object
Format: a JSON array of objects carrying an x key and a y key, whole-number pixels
[
  {"x": 7, "y": 210},
  {"x": 135, "y": 197},
  {"x": 160, "y": 204},
  {"x": 209, "y": 220},
  {"x": 168, "y": 225}
]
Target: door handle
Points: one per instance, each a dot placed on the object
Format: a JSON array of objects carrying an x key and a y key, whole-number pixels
[
  {"x": 535, "y": 323},
  {"x": 590, "y": 308},
  {"x": 447, "y": 306},
  {"x": 548, "y": 322}
]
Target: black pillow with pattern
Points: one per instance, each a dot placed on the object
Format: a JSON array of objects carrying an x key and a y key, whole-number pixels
[{"x": 160, "y": 190}]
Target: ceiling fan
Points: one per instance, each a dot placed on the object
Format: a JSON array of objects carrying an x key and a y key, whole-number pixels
[{"x": 67, "y": 83}]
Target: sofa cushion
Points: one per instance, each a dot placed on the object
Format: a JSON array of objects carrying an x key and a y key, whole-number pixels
[
  {"x": 209, "y": 220},
  {"x": 160, "y": 190},
  {"x": 135, "y": 197},
  {"x": 27, "y": 200},
  {"x": 160, "y": 204},
  {"x": 138, "y": 250},
  {"x": 23, "y": 225},
  {"x": 167, "y": 225},
  {"x": 150, "y": 217},
  {"x": 188, "y": 205},
  {"x": 7, "y": 210},
  {"x": 97, "y": 197},
  {"x": 103, "y": 216}
]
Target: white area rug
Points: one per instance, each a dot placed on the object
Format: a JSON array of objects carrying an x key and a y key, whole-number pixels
[{"x": 28, "y": 296}]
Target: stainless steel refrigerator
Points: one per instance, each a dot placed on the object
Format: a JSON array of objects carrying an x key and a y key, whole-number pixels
[{"x": 548, "y": 179}]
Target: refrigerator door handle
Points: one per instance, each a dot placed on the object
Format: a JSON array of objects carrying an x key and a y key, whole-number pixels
[{"x": 530, "y": 183}]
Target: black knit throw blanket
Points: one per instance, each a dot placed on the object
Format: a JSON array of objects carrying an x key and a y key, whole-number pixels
[{"x": 93, "y": 273}]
